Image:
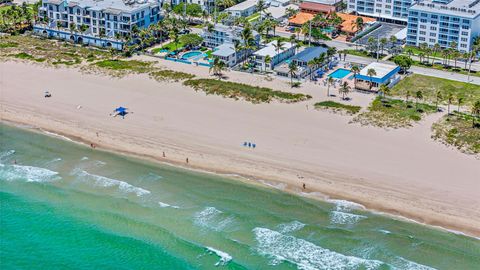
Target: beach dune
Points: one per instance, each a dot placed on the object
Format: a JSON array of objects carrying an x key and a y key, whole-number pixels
[{"x": 402, "y": 172}]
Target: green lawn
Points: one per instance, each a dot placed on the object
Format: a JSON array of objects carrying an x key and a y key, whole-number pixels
[
  {"x": 172, "y": 46},
  {"x": 416, "y": 51},
  {"x": 430, "y": 85},
  {"x": 250, "y": 93},
  {"x": 394, "y": 113},
  {"x": 459, "y": 69},
  {"x": 458, "y": 130},
  {"x": 124, "y": 65},
  {"x": 338, "y": 106},
  {"x": 170, "y": 75},
  {"x": 254, "y": 17}
]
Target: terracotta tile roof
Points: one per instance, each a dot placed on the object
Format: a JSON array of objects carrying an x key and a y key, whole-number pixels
[
  {"x": 348, "y": 22},
  {"x": 316, "y": 7},
  {"x": 301, "y": 18}
]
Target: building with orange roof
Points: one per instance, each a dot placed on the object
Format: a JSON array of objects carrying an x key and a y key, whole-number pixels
[
  {"x": 300, "y": 18},
  {"x": 349, "y": 22},
  {"x": 315, "y": 8}
]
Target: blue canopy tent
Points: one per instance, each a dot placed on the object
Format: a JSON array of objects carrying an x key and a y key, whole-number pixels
[{"x": 122, "y": 111}]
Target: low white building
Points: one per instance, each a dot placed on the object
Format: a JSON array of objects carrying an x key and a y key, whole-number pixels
[
  {"x": 276, "y": 55},
  {"x": 278, "y": 13},
  {"x": 243, "y": 9},
  {"x": 207, "y": 5},
  {"x": 221, "y": 34},
  {"x": 226, "y": 53},
  {"x": 384, "y": 74},
  {"x": 279, "y": 3}
]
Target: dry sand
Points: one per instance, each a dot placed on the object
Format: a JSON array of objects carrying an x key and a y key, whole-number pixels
[{"x": 401, "y": 172}]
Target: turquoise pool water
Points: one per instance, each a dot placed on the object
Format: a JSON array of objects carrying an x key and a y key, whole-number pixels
[
  {"x": 193, "y": 55},
  {"x": 339, "y": 73}
]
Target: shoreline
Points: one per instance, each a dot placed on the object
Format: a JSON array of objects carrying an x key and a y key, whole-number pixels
[
  {"x": 332, "y": 165},
  {"x": 237, "y": 177}
]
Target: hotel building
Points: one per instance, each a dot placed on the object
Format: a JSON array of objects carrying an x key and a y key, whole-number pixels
[
  {"x": 444, "y": 22},
  {"x": 103, "y": 21},
  {"x": 395, "y": 11}
]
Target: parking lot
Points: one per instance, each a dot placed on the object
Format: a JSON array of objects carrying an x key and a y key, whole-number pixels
[{"x": 385, "y": 30}]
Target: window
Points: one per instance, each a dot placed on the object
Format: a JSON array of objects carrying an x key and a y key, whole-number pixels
[
  {"x": 422, "y": 32},
  {"x": 379, "y": 5},
  {"x": 466, "y": 27},
  {"x": 423, "y": 20},
  {"x": 433, "y": 22},
  {"x": 434, "y": 17},
  {"x": 464, "y": 39},
  {"x": 433, "y": 34},
  {"x": 421, "y": 38},
  {"x": 466, "y": 21},
  {"x": 463, "y": 45},
  {"x": 432, "y": 40},
  {"x": 388, "y": 6},
  {"x": 378, "y": 10},
  {"x": 422, "y": 26},
  {"x": 423, "y": 14},
  {"x": 464, "y": 33},
  {"x": 433, "y": 28}
]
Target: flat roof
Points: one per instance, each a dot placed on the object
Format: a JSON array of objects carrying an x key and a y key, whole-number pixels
[
  {"x": 271, "y": 50},
  {"x": 381, "y": 69},
  {"x": 326, "y": 2},
  {"x": 243, "y": 5},
  {"x": 108, "y": 6},
  {"x": 461, "y": 8},
  {"x": 226, "y": 49},
  {"x": 317, "y": 7},
  {"x": 309, "y": 53},
  {"x": 279, "y": 12}
]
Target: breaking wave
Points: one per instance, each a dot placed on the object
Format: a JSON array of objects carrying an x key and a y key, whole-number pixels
[
  {"x": 5, "y": 154},
  {"x": 337, "y": 217},
  {"x": 290, "y": 227},
  {"x": 224, "y": 257},
  {"x": 106, "y": 182},
  {"x": 346, "y": 206},
  {"x": 165, "y": 205},
  {"x": 212, "y": 218},
  {"x": 306, "y": 255},
  {"x": 28, "y": 173}
]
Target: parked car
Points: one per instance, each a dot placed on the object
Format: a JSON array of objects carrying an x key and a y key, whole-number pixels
[{"x": 184, "y": 31}]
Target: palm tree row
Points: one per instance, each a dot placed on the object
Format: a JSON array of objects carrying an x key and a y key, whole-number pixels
[{"x": 16, "y": 18}]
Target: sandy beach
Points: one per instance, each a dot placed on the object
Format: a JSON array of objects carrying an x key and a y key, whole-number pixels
[{"x": 402, "y": 172}]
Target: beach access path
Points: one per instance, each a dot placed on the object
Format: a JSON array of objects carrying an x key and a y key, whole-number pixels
[{"x": 402, "y": 172}]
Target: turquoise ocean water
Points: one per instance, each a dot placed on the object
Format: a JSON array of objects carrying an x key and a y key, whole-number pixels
[{"x": 65, "y": 206}]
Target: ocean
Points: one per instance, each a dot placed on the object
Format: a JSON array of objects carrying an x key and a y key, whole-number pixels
[{"x": 66, "y": 206}]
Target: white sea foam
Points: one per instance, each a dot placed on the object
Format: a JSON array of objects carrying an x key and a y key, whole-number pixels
[
  {"x": 280, "y": 186},
  {"x": 53, "y": 161},
  {"x": 57, "y": 135},
  {"x": 290, "y": 227},
  {"x": 346, "y": 206},
  {"x": 404, "y": 264},
  {"x": 103, "y": 181},
  {"x": 165, "y": 205},
  {"x": 28, "y": 173},
  {"x": 385, "y": 231},
  {"x": 338, "y": 217},
  {"x": 5, "y": 154},
  {"x": 224, "y": 257},
  {"x": 306, "y": 255},
  {"x": 212, "y": 218},
  {"x": 84, "y": 158}
]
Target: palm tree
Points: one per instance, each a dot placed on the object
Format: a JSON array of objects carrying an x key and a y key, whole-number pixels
[
  {"x": 370, "y": 73},
  {"x": 344, "y": 89},
  {"x": 475, "y": 112},
  {"x": 418, "y": 96},
  {"x": 292, "y": 71},
  {"x": 459, "y": 102},
  {"x": 72, "y": 27},
  {"x": 408, "y": 94},
  {"x": 383, "y": 42},
  {"x": 358, "y": 24},
  {"x": 278, "y": 46},
  {"x": 268, "y": 60},
  {"x": 311, "y": 64},
  {"x": 449, "y": 99},
  {"x": 384, "y": 89},
  {"x": 455, "y": 55},
  {"x": 330, "y": 81},
  {"x": 355, "y": 69},
  {"x": 217, "y": 67},
  {"x": 438, "y": 98}
]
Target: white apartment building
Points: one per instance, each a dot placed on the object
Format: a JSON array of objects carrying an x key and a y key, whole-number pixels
[
  {"x": 225, "y": 34},
  {"x": 205, "y": 4},
  {"x": 103, "y": 21},
  {"x": 276, "y": 56},
  {"x": 243, "y": 9},
  {"x": 444, "y": 22},
  {"x": 386, "y": 10}
]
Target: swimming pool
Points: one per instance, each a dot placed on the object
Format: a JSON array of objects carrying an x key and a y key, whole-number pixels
[
  {"x": 193, "y": 55},
  {"x": 339, "y": 73}
]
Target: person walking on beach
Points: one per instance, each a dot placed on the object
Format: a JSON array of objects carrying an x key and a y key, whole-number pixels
[
  {"x": 187, "y": 160},
  {"x": 163, "y": 153},
  {"x": 304, "y": 186}
]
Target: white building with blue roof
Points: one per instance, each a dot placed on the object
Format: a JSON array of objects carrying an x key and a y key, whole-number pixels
[
  {"x": 105, "y": 20},
  {"x": 302, "y": 59}
]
